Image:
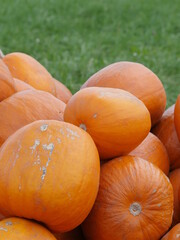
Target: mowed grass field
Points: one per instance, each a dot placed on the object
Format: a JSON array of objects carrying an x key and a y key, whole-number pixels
[{"x": 74, "y": 39}]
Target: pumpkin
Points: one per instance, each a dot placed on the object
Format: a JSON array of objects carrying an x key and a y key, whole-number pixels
[
  {"x": 49, "y": 171},
  {"x": 135, "y": 201},
  {"x": 25, "y": 107},
  {"x": 173, "y": 234},
  {"x": 6, "y": 82},
  {"x": 62, "y": 92},
  {"x": 29, "y": 70},
  {"x": 138, "y": 80},
  {"x": 152, "y": 150},
  {"x": 1, "y": 216},
  {"x": 21, "y": 86},
  {"x": 22, "y": 229},
  {"x": 75, "y": 234},
  {"x": 116, "y": 120},
  {"x": 175, "y": 181},
  {"x": 177, "y": 116},
  {"x": 166, "y": 132}
]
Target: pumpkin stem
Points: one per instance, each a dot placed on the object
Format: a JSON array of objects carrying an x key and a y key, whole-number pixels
[
  {"x": 1, "y": 54},
  {"x": 83, "y": 126},
  {"x": 135, "y": 209}
]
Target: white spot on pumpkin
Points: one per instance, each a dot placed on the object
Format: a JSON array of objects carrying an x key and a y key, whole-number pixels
[
  {"x": 159, "y": 204},
  {"x": 59, "y": 140},
  {"x": 95, "y": 115},
  {"x": 178, "y": 235},
  {"x": 61, "y": 131},
  {"x": 44, "y": 172},
  {"x": 36, "y": 143},
  {"x": 44, "y": 127},
  {"x": 9, "y": 223},
  {"x": 154, "y": 191},
  {"x": 3, "y": 229},
  {"x": 72, "y": 133},
  {"x": 48, "y": 147},
  {"x": 83, "y": 126}
]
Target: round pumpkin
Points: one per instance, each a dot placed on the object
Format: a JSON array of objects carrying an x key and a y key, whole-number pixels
[
  {"x": 75, "y": 234},
  {"x": 6, "y": 82},
  {"x": 136, "y": 79},
  {"x": 29, "y": 70},
  {"x": 116, "y": 120},
  {"x": 22, "y": 229},
  {"x": 21, "y": 86},
  {"x": 177, "y": 116},
  {"x": 166, "y": 132},
  {"x": 62, "y": 92},
  {"x": 49, "y": 171},
  {"x": 173, "y": 234},
  {"x": 152, "y": 150},
  {"x": 25, "y": 107},
  {"x": 175, "y": 181},
  {"x": 135, "y": 201}
]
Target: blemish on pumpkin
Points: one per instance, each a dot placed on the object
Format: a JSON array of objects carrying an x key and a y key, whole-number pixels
[
  {"x": 135, "y": 209},
  {"x": 178, "y": 235},
  {"x": 159, "y": 204},
  {"x": 83, "y": 126},
  {"x": 59, "y": 140},
  {"x": 61, "y": 131},
  {"x": 36, "y": 143},
  {"x": 3, "y": 229},
  {"x": 44, "y": 173},
  {"x": 9, "y": 223},
  {"x": 73, "y": 133},
  {"x": 44, "y": 127},
  {"x": 48, "y": 147},
  {"x": 154, "y": 191},
  {"x": 95, "y": 115}
]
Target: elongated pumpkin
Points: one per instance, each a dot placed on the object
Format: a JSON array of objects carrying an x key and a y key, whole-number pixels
[
  {"x": 138, "y": 80},
  {"x": 166, "y": 132},
  {"x": 6, "y": 82},
  {"x": 135, "y": 201},
  {"x": 62, "y": 92},
  {"x": 153, "y": 150},
  {"x": 116, "y": 120},
  {"x": 173, "y": 234},
  {"x": 21, "y": 86},
  {"x": 177, "y": 116},
  {"x": 29, "y": 70},
  {"x": 75, "y": 234},
  {"x": 22, "y": 229},
  {"x": 49, "y": 171},
  {"x": 25, "y": 107},
  {"x": 175, "y": 181}
]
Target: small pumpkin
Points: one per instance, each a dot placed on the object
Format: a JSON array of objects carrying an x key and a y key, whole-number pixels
[
  {"x": 135, "y": 201},
  {"x": 75, "y": 234},
  {"x": 166, "y": 132},
  {"x": 22, "y": 229},
  {"x": 175, "y": 181},
  {"x": 25, "y": 107},
  {"x": 49, "y": 171},
  {"x": 173, "y": 234},
  {"x": 153, "y": 150},
  {"x": 116, "y": 120},
  {"x": 21, "y": 86},
  {"x": 177, "y": 116},
  {"x": 136, "y": 79},
  {"x": 6, "y": 82},
  {"x": 62, "y": 92},
  {"x": 29, "y": 70}
]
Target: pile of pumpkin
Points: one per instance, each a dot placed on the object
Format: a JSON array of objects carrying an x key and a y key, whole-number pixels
[{"x": 87, "y": 166}]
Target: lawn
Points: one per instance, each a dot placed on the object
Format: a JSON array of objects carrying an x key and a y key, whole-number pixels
[{"x": 74, "y": 39}]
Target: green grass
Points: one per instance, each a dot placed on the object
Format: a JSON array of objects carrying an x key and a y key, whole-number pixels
[{"x": 74, "y": 39}]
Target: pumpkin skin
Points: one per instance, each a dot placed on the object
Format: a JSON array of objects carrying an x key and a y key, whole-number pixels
[
  {"x": 22, "y": 229},
  {"x": 49, "y": 171},
  {"x": 29, "y": 70},
  {"x": 174, "y": 178},
  {"x": 116, "y": 120},
  {"x": 135, "y": 201},
  {"x": 62, "y": 92},
  {"x": 21, "y": 86},
  {"x": 177, "y": 116},
  {"x": 166, "y": 132},
  {"x": 173, "y": 234},
  {"x": 75, "y": 234},
  {"x": 6, "y": 82},
  {"x": 136, "y": 79},
  {"x": 25, "y": 107},
  {"x": 152, "y": 150},
  {"x": 1, "y": 216}
]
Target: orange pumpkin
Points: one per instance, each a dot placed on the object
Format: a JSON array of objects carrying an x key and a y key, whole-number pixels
[
  {"x": 173, "y": 234},
  {"x": 116, "y": 120},
  {"x": 49, "y": 171},
  {"x": 136, "y": 79},
  {"x": 25, "y": 107},
  {"x": 177, "y": 116},
  {"x": 175, "y": 181},
  {"x": 62, "y": 92},
  {"x": 166, "y": 132},
  {"x": 29, "y": 70},
  {"x": 75, "y": 234},
  {"x": 152, "y": 150},
  {"x": 6, "y": 82},
  {"x": 21, "y": 229},
  {"x": 21, "y": 86},
  {"x": 135, "y": 201}
]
